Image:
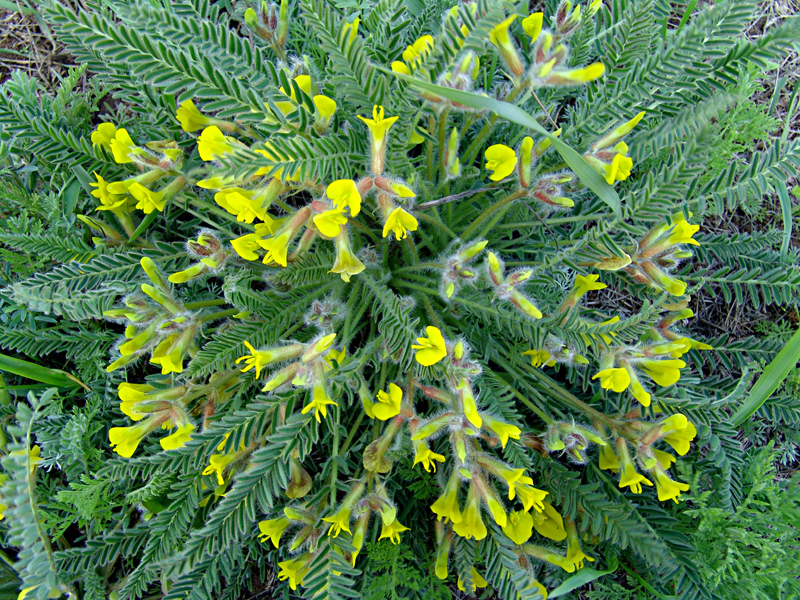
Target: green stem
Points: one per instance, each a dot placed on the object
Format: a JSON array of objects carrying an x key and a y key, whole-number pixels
[
  {"x": 205, "y": 303},
  {"x": 413, "y": 249},
  {"x": 474, "y": 147},
  {"x": 465, "y": 235},
  {"x": 432, "y": 292},
  {"x": 292, "y": 329},
  {"x": 349, "y": 311},
  {"x": 419, "y": 267},
  {"x": 218, "y": 315},
  {"x": 334, "y": 456},
  {"x": 500, "y": 214},
  {"x": 429, "y": 150},
  {"x": 442, "y": 144},
  {"x": 349, "y": 439},
  {"x": 559, "y": 221},
  {"x": 431, "y": 312},
  {"x": 437, "y": 223},
  {"x": 223, "y": 214},
  {"x": 364, "y": 229},
  {"x": 564, "y": 396}
]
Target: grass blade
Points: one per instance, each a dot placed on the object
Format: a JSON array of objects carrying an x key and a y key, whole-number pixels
[
  {"x": 31, "y": 370},
  {"x": 786, "y": 209},
  {"x": 770, "y": 379},
  {"x": 591, "y": 178}
]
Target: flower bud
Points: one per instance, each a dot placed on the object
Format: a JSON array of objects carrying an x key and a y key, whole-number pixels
[
  {"x": 452, "y": 166},
  {"x": 467, "y": 253},
  {"x": 495, "y": 269},
  {"x": 525, "y": 159},
  {"x": 319, "y": 347}
]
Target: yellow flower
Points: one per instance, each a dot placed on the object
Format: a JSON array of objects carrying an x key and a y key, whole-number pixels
[
  {"x": 125, "y": 440},
  {"x": 243, "y": 203},
  {"x": 678, "y": 432},
  {"x": 417, "y": 52},
  {"x": 608, "y": 460},
  {"x": 502, "y": 430},
  {"x": 574, "y": 552},
  {"x": 378, "y": 125},
  {"x": 502, "y": 41},
  {"x": 640, "y": 393},
  {"x": 571, "y": 76},
  {"x": 446, "y": 506},
  {"x": 344, "y": 194},
  {"x": 393, "y": 531},
  {"x": 168, "y": 354},
  {"x": 593, "y": 7},
  {"x": 190, "y": 118},
  {"x": 257, "y": 359},
  {"x": 117, "y": 203},
  {"x": 426, "y": 456},
  {"x": 549, "y": 523},
  {"x": 335, "y": 355},
  {"x": 346, "y": 264},
  {"x": 665, "y": 459},
  {"x": 530, "y": 496},
  {"x": 246, "y": 245},
  {"x": 667, "y": 488},
  {"x": 277, "y": 248},
  {"x": 122, "y": 147},
  {"x": 519, "y": 527},
  {"x": 586, "y": 284},
  {"x": 619, "y": 167},
  {"x": 468, "y": 402},
  {"x": 613, "y": 379},
  {"x": 319, "y": 400},
  {"x": 339, "y": 522},
  {"x": 294, "y": 570},
  {"x": 496, "y": 508},
  {"x": 103, "y": 135},
  {"x": 616, "y": 134},
  {"x": 663, "y": 372},
  {"x": 399, "y": 222},
  {"x": 147, "y": 200},
  {"x": 471, "y": 525},
  {"x": 388, "y": 405},
  {"x": 499, "y": 33},
  {"x": 513, "y": 478},
  {"x": 532, "y": 24},
  {"x": 213, "y": 144},
  {"x": 325, "y": 106},
  {"x": 431, "y": 349},
  {"x": 131, "y": 394},
  {"x": 501, "y": 160},
  {"x": 178, "y": 438},
  {"x": 629, "y": 477},
  {"x": 477, "y": 581},
  {"x": 400, "y": 67},
  {"x": 540, "y": 358},
  {"x": 402, "y": 190},
  {"x": 273, "y": 529},
  {"x": 682, "y": 231},
  {"x": 217, "y": 464},
  {"x": 330, "y": 222}
]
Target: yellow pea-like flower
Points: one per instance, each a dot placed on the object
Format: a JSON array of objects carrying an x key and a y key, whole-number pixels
[
  {"x": 501, "y": 160},
  {"x": 431, "y": 349},
  {"x": 272, "y": 529},
  {"x": 178, "y": 438},
  {"x": 519, "y": 526}
]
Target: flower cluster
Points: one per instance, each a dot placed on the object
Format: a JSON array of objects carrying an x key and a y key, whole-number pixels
[{"x": 430, "y": 401}]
